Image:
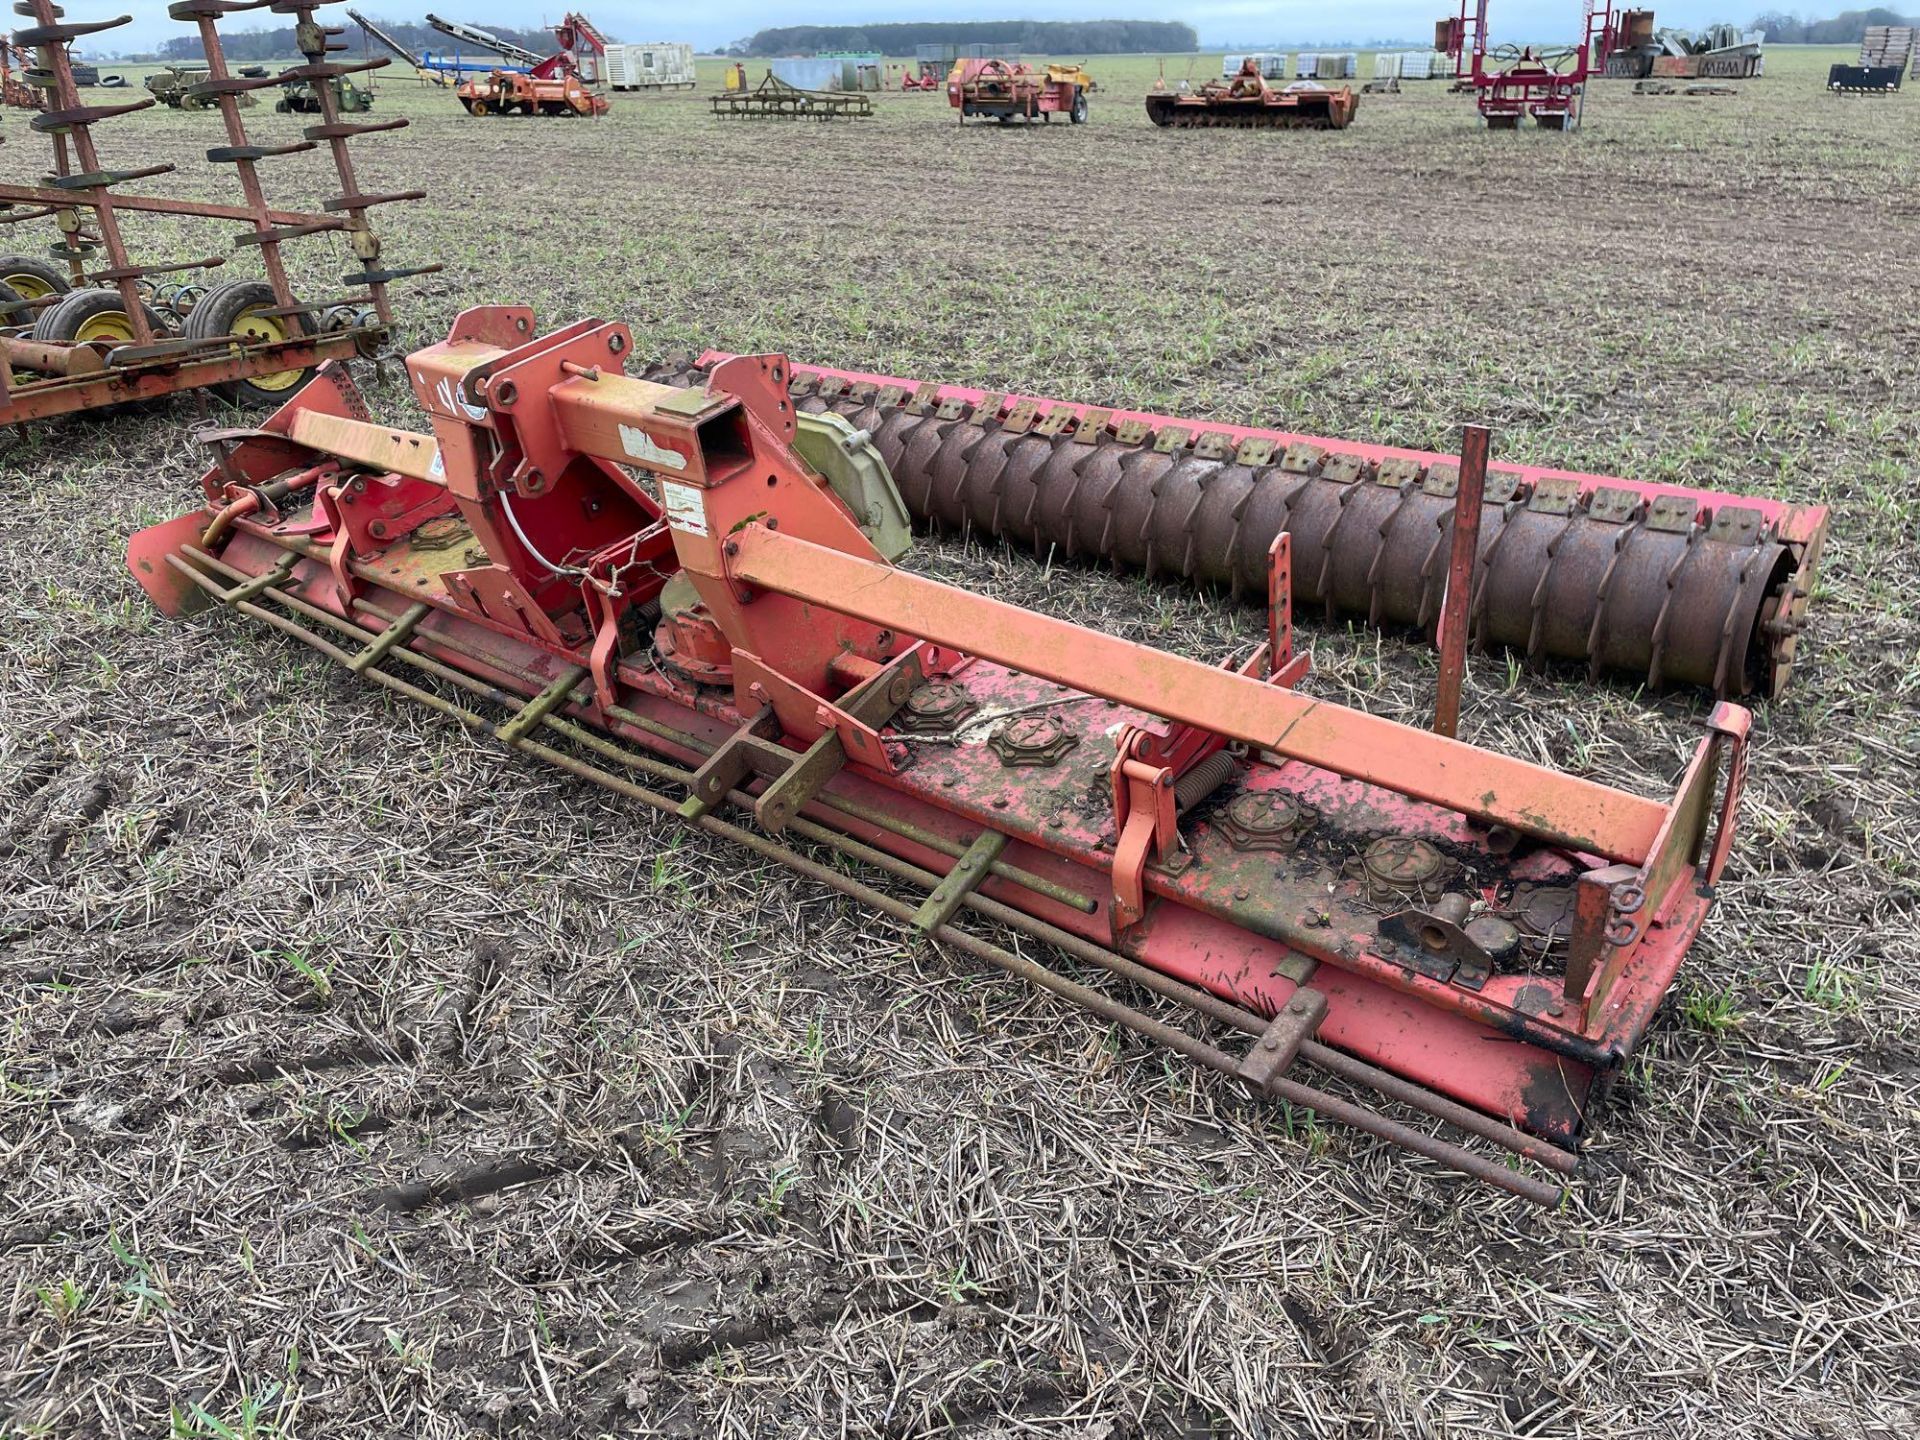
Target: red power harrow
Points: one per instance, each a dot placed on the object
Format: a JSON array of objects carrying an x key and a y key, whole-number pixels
[
  {"x": 100, "y": 335},
  {"x": 1248, "y": 102},
  {"x": 652, "y": 587}
]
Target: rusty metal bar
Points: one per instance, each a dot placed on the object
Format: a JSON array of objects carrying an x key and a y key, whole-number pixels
[
  {"x": 1457, "y": 608},
  {"x": 53, "y": 359},
  {"x": 44, "y": 400},
  {"x": 229, "y": 105},
  {"x": 154, "y": 205},
  {"x": 366, "y": 245},
  {"x": 1496, "y": 788}
]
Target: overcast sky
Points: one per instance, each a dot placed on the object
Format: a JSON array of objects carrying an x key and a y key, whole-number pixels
[{"x": 719, "y": 22}]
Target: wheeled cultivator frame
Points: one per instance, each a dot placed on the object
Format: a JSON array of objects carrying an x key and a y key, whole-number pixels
[
  {"x": 1660, "y": 583},
  {"x": 774, "y": 97},
  {"x": 1530, "y": 87},
  {"x": 651, "y": 586},
  {"x": 1005, "y": 91},
  {"x": 108, "y": 334},
  {"x": 1527, "y": 84}
]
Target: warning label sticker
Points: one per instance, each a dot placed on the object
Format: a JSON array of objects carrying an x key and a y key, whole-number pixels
[{"x": 685, "y": 509}]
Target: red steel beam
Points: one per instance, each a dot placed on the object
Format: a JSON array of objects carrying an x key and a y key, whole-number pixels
[
  {"x": 46, "y": 398},
  {"x": 1495, "y": 788}
]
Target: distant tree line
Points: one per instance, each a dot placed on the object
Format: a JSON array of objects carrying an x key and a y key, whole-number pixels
[
  {"x": 246, "y": 46},
  {"x": 1846, "y": 28},
  {"x": 1036, "y": 37}
]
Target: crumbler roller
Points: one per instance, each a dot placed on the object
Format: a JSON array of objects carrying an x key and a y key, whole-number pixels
[{"x": 1657, "y": 583}]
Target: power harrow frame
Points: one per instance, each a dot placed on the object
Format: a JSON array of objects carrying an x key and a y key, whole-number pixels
[
  {"x": 1669, "y": 585},
  {"x": 1247, "y": 102},
  {"x": 652, "y": 585},
  {"x": 84, "y": 199}
]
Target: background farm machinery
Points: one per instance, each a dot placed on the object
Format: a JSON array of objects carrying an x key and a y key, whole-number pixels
[
  {"x": 430, "y": 70},
  {"x": 301, "y": 97},
  {"x": 1886, "y": 52},
  {"x": 774, "y": 98},
  {"x": 1246, "y": 101},
  {"x": 78, "y": 334},
  {"x": 563, "y": 83},
  {"x": 1547, "y": 87},
  {"x": 1008, "y": 90},
  {"x": 1473, "y": 936},
  {"x": 15, "y": 92},
  {"x": 183, "y": 87},
  {"x": 512, "y": 92}
]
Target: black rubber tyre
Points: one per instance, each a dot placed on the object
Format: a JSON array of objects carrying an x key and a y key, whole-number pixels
[
  {"x": 13, "y": 309},
  {"x": 32, "y": 278},
  {"x": 91, "y": 315},
  {"x": 1078, "y": 115},
  {"x": 229, "y": 310}
]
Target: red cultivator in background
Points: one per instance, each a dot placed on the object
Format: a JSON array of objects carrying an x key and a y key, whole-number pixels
[
  {"x": 1474, "y": 936},
  {"x": 91, "y": 337},
  {"x": 1006, "y": 90},
  {"x": 1548, "y": 88}
]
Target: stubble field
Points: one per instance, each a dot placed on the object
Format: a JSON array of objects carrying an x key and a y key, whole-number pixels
[{"x": 359, "y": 1080}]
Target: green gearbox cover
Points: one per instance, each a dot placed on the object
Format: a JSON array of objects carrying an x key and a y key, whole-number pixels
[{"x": 852, "y": 467}]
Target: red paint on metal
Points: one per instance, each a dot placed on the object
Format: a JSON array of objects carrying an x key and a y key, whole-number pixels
[
  {"x": 1573, "y": 812},
  {"x": 1009, "y": 89},
  {"x": 527, "y": 438},
  {"x": 87, "y": 188}
]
